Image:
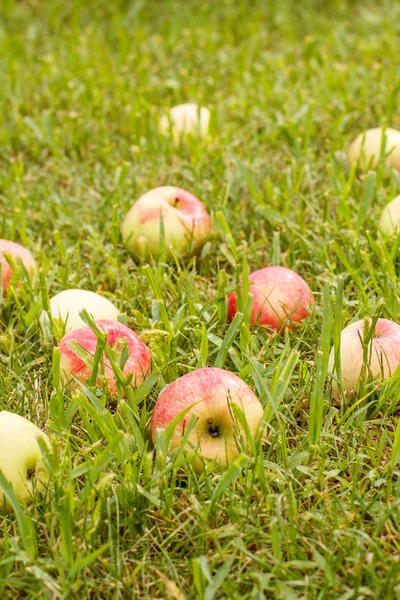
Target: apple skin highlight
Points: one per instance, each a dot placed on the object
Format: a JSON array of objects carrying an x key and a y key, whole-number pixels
[
  {"x": 209, "y": 392},
  {"x": 18, "y": 252},
  {"x": 186, "y": 223},
  {"x": 281, "y": 298},
  {"x": 72, "y": 366},
  {"x": 383, "y": 354}
]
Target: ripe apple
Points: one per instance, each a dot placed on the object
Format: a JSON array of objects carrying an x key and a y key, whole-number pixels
[
  {"x": 20, "y": 457},
  {"x": 186, "y": 223},
  {"x": 383, "y": 354},
  {"x": 389, "y": 223},
  {"x": 66, "y": 306},
  {"x": 210, "y": 392},
  {"x": 186, "y": 119},
  {"x": 138, "y": 362},
  {"x": 368, "y": 146},
  {"x": 281, "y": 298},
  {"x": 17, "y": 252}
]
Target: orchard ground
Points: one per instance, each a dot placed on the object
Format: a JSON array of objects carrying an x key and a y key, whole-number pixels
[{"x": 313, "y": 512}]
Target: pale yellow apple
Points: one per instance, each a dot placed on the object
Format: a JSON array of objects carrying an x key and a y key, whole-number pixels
[
  {"x": 389, "y": 223},
  {"x": 368, "y": 146},
  {"x": 186, "y": 119},
  {"x": 20, "y": 457}
]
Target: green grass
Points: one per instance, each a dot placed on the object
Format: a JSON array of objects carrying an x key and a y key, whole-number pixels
[{"x": 314, "y": 511}]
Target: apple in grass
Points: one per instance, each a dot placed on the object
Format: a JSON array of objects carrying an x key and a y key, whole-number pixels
[
  {"x": 185, "y": 220},
  {"x": 77, "y": 365},
  {"x": 280, "y": 298},
  {"x": 368, "y": 146},
  {"x": 20, "y": 457},
  {"x": 208, "y": 394},
  {"x": 389, "y": 223},
  {"x": 383, "y": 355},
  {"x": 186, "y": 119},
  {"x": 17, "y": 253},
  {"x": 66, "y": 306}
]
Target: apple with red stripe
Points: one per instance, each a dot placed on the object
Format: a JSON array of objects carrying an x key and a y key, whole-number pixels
[
  {"x": 17, "y": 253},
  {"x": 281, "y": 298},
  {"x": 383, "y": 354},
  {"x": 75, "y": 367},
  {"x": 208, "y": 394},
  {"x": 185, "y": 219}
]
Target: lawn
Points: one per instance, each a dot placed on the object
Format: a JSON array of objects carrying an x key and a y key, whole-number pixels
[{"x": 313, "y": 511}]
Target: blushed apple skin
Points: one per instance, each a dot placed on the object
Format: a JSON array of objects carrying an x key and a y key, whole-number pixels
[
  {"x": 389, "y": 223},
  {"x": 366, "y": 149},
  {"x": 138, "y": 362},
  {"x": 383, "y": 353},
  {"x": 20, "y": 453},
  {"x": 280, "y": 298},
  {"x": 186, "y": 223},
  {"x": 65, "y": 308},
  {"x": 209, "y": 391},
  {"x": 17, "y": 252},
  {"x": 186, "y": 119}
]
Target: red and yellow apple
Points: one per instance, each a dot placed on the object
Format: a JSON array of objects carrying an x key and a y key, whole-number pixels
[
  {"x": 17, "y": 253},
  {"x": 209, "y": 394},
  {"x": 383, "y": 355},
  {"x": 186, "y": 223},
  {"x": 281, "y": 298},
  {"x": 186, "y": 119},
  {"x": 78, "y": 366},
  {"x": 368, "y": 146}
]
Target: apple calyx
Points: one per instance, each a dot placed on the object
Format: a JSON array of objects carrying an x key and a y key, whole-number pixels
[{"x": 213, "y": 429}]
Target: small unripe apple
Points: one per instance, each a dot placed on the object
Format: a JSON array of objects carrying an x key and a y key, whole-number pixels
[
  {"x": 389, "y": 223},
  {"x": 66, "y": 306},
  {"x": 186, "y": 223},
  {"x": 18, "y": 253},
  {"x": 74, "y": 366},
  {"x": 186, "y": 119},
  {"x": 20, "y": 457},
  {"x": 368, "y": 146},
  {"x": 209, "y": 393}
]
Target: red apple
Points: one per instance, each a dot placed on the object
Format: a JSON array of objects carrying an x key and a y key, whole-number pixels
[
  {"x": 186, "y": 223},
  {"x": 383, "y": 356},
  {"x": 209, "y": 394},
  {"x": 17, "y": 252},
  {"x": 280, "y": 298},
  {"x": 138, "y": 362}
]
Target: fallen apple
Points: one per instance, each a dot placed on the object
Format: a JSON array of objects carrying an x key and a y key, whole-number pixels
[
  {"x": 186, "y": 223},
  {"x": 389, "y": 223},
  {"x": 66, "y": 306},
  {"x": 281, "y": 298},
  {"x": 20, "y": 457},
  {"x": 368, "y": 146},
  {"x": 209, "y": 394},
  {"x": 186, "y": 119},
  {"x": 17, "y": 253},
  {"x": 383, "y": 356},
  {"x": 78, "y": 366}
]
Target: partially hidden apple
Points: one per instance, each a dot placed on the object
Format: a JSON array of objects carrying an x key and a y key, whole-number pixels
[
  {"x": 389, "y": 223},
  {"x": 368, "y": 146},
  {"x": 17, "y": 253},
  {"x": 78, "y": 365},
  {"x": 185, "y": 219},
  {"x": 281, "y": 298},
  {"x": 186, "y": 119},
  {"x": 66, "y": 306},
  {"x": 208, "y": 394},
  {"x": 20, "y": 457},
  {"x": 383, "y": 356}
]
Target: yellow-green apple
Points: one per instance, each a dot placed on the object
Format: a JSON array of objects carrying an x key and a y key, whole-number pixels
[
  {"x": 281, "y": 298},
  {"x": 368, "y": 146},
  {"x": 20, "y": 457},
  {"x": 77, "y": 365},
  {"x": 383, "y": 356},
  {"x": 208, "y": 394},
  {"x": 186, "y": 119},
  {"x": 389, "y": 223},
  {"x": 17, "y": 253},
  {"x": 66, "y": 306},
  {"x": 186, "y": 223}
]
